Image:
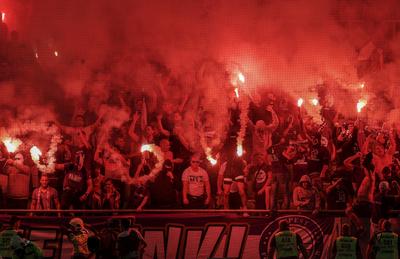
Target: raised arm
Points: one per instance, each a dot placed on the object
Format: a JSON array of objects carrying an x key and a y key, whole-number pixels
[
  {"x": 132, "y": 127},
  {"x": 275, "y": 120},
  {"x": 161, "y": 127},
  {"x": 348, "y": 162}
]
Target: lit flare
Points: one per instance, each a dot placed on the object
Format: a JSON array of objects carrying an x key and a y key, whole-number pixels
[
  {"x": 237, "y": 92},
  {"x": 3, "y": 17},
  {"x": 241, "y": 77},
  {"x": 12, "y": 144},
  {"x": 212, "y": 160},
  {"x": 300, "y": 102},
  {"x": 239, "y": 150},
  {"x": 35, "y": 153},
  {"x": 360, "y": 105},
  {"x": 314, "y": 102},
  {"x": 146, "y": 147}
]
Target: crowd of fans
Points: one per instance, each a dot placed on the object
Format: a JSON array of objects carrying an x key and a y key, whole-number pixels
[{"x": 290, "y": 162}]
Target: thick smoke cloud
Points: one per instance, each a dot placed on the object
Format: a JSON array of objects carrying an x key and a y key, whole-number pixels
[{"x": 106, "y": 47}]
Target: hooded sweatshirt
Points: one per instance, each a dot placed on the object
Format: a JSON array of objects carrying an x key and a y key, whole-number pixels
[{"x": 305, "y": 199}]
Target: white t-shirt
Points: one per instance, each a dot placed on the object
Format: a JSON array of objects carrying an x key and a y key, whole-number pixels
[{"x": 195, "y": 180}]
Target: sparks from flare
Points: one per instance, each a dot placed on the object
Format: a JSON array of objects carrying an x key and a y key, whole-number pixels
[
  {"x": 12, "y": 144},
  {"x": 360, "y": 105},
  {"x": 300, "y": 102},
  {"x": 35, "y": 153}
]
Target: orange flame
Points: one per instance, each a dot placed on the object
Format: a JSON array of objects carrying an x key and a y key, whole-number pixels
[
  {"x": 360, "y": 105},
  {"x": 35, "y": 153},
  {"x": 241, "y": 77},
  {"x": 12, "y": 144},
  {"x": 212, "y": 160},
  {"x": 300, "y": 102},
  {"x": 239, "y": 150},
  {"x": 146, "y": 147},
  {"x": 314, "y": 102}
]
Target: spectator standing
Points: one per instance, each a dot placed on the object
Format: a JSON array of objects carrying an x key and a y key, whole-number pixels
[
  {"x": 110, "y": 197},
  {"x": 45, "y": 197},
  {"x": 305, "y": 197},
  {"x": 77, "y": 184},
  {"x": 18, "y": 182},
  {"x": 263, "y": 184},
  {"x": 163, "y": 191},
  {"x": 196, "y": 185}
]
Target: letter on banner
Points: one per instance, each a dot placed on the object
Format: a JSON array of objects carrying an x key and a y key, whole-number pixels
[
  {"x": 202, "y": 245},
  {"x": 155, "y": 240}
]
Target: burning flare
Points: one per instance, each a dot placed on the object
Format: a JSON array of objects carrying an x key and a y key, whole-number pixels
[
  {"x": 360, "y": 105},
  {"x": 12, "y": 144},
  {"x": 239, "y": 150},
  {"x": 3, "y": 17},
  {"x": 35, "y": 153},
  {"x": 209, "y": 157},
  {"x": 237, "y": 78},
  {"x": 314, "y": 102},
  {"x": 212, "y": 160},
  {"x": 146, "y": 147},
  {"x": 56, "y": 53},
  {"x": 241, "y": 77},
  {"x": 237, "y": 92},
  {"x": 300, "y": 102}
]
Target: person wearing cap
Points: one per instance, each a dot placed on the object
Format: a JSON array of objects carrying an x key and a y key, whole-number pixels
[
  {"x": 78, "y": 236},
  {"x": 346, "y": 246},
  {"x": 6, "y": 236},
  {"x": 385, "y": 244},
  {"x": 305, "y": 197},
  {"x": 196, "y": 185},
  {"x": 286, "y": 244},
  {"x": 25, "y": 249}
]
